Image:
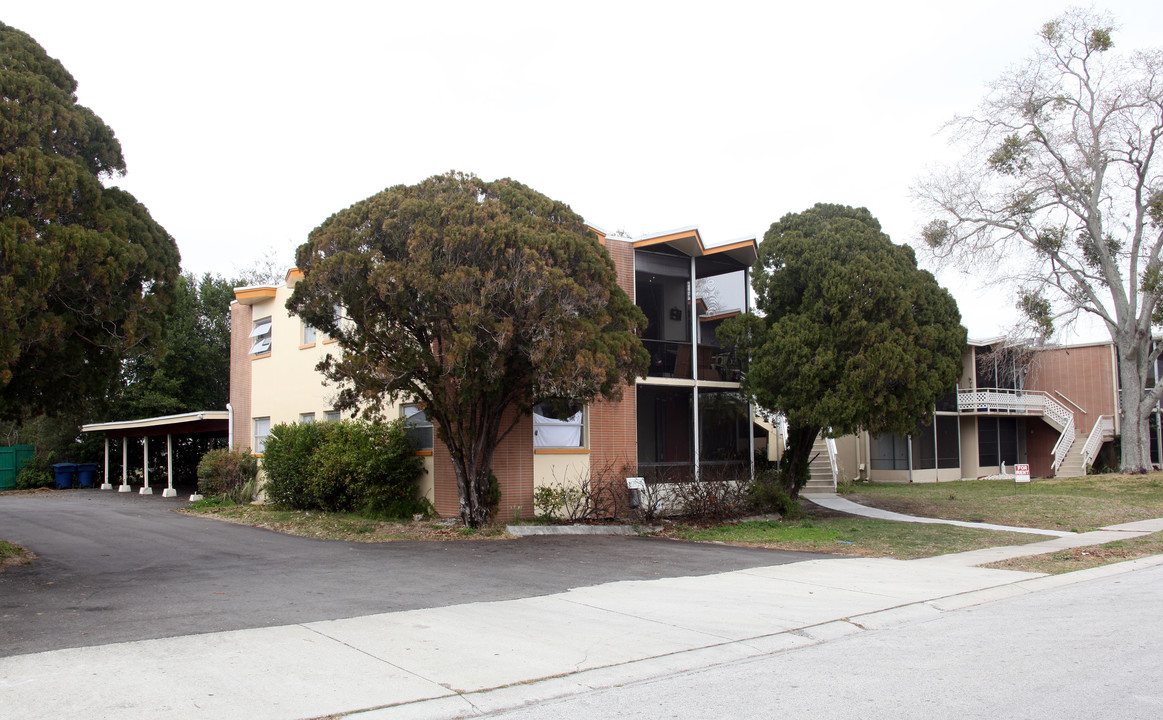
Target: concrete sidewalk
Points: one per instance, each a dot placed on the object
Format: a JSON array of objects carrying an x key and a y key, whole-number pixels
[{"x": 463, "y": 660}]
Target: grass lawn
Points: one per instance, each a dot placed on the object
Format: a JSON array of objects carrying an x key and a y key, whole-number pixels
[
  {"x": 340, "y": 526},
  {"x": 1086, "y": 557},
  {"x": 1074, "y": 504},
  {"x": 865, "y": 537},
  {"x": 13, "y": 555}
]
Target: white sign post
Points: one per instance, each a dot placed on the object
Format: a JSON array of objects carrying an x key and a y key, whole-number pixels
[{"x": 1021, "y": 473}]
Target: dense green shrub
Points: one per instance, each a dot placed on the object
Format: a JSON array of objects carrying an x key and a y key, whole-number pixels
[
  {"x": 287, "y": 457},
  {"x": 349, "y": 465},
  {"x": 229, "y": 474},
  {"x": 769, "y": 495},
  {"x": 35, "y": 473}
]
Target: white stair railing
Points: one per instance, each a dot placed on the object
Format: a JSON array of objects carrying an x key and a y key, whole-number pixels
[
  {"x": 1062, "y": 447},
  {"x": 831, "y": 443},
  {"x": 1103, "y": 429}
]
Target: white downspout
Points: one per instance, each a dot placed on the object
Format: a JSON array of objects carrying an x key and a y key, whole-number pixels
[{"x": 229, "y": 426}]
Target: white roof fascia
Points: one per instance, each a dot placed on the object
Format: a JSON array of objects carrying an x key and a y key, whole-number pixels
[
  {"x": 161, "y": 420},
  {"x": 676, "y": 231}
]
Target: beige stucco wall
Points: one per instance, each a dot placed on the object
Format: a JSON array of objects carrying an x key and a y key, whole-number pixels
[
  {"x": 568, "y": 469},
  {"x": 284, "y": 383}
]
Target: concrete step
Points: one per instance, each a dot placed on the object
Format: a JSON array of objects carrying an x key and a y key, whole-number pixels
[{"x": 1071, "y": 467}]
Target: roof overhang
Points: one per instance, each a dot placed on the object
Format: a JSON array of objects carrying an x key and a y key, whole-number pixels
[
  {"x": 254, "y": 294},
  {"x": 689, "y": 242},
  {"x": 184, "y": 424}
]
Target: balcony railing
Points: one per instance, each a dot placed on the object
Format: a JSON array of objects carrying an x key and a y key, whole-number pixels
[{"x": 1023, "y": 402}]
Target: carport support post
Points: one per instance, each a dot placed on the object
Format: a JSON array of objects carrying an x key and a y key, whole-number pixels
[
  {"x": 146, "y": 489},
  {"x": 124, "y": 465},
  {"x": 169, "y": 491},
  {"x": 106, "y": 485}
]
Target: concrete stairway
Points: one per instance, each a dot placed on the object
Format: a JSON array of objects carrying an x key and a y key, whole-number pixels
[
  {"x": 821, "y": 480},
  {"x": 1072, "y": 464}
]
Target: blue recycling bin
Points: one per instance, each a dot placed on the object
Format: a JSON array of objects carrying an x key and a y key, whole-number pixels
[
  {"x": 65, "y": 474},
  {"x": 86, "y": 474}
]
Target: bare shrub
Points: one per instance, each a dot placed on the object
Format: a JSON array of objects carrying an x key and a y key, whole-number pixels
[{"x": 721, "y": 493}]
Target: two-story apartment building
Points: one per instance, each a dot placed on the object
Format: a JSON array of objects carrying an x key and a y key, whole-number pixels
[
  {"x": 685, "y": 416},
  {"x": 1051, "y": 407}
]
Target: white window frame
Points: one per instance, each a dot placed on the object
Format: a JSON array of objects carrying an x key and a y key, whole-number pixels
[
  {"x": 262, "y": 430},
  {"x": 305, "y": 418},
  {"x": 409, "y": 411},
  {"x": 260, "y": 334},
  {"x": 308, "y": 334},
  {"x": 332, "y": 416},
  {"x": 553, "y": 433}
]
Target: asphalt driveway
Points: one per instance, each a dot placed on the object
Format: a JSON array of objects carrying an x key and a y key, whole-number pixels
[{"x": 118, "y": 567}]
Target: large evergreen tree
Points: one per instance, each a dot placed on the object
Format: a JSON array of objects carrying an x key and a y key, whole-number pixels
[
  {"x": 851, "y": 334},
  {"x": 86, "y": 275},
  {"x": 476, "y": 298},
  {"x": 191, "y": 369}
]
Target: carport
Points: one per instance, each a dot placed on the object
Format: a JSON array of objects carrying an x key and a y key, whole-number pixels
[{"x": 192, "y": 423}]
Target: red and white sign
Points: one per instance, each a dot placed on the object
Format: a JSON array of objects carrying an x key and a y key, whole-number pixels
[{"x": 1021, "y": 473}]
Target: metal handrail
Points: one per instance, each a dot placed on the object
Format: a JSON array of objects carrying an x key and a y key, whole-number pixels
[{"x": 1059, "y": 394}]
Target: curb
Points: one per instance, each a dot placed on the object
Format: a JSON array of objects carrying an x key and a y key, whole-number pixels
[{"x": 530, "y": 530}]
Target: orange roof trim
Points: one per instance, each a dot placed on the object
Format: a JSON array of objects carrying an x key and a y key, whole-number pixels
[{"x": 248, "y": 296}]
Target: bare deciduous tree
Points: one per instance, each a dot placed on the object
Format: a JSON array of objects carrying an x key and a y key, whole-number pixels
[{"x": 1060, "y": 172}]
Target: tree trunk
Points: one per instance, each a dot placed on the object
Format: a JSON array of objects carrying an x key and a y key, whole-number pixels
[
  {"x": 797, "y": 458},
  {"x": 1135, "y": 408},
  {"x": 472, "y": 479}
]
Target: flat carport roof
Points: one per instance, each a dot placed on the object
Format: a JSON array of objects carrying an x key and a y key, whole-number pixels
[{"x": 191, "y": 423}]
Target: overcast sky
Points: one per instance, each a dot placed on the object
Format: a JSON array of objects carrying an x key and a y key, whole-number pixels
[{"x": 245, "y": 125}]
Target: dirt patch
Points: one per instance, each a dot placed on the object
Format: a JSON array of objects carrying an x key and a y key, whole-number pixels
[
  {"x": 13, "y": 555},
  {"x": 342, "y": 526}
]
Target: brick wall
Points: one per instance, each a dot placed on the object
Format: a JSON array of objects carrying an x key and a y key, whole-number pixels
[
  {"x": 512, "y": 464},
  {"x": 614, "y": 425}
]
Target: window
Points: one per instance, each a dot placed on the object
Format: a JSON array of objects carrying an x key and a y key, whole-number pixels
[
  {"x": 331, "y": 416},
  {"x": 558, "y": 423},
  {"x": 305, "y": 418},
  {"x": 308, "y": 335},
  {"x": 890, "y": 452},
  {"x": 262, "y": 428},
  {"x": 419, "y": 426},
  {"x": 260, "y": 336}
]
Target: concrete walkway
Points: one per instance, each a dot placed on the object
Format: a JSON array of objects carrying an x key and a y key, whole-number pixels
[
  {"x": 832, "y": 501},
  {"x": 464, "y": 660}
]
